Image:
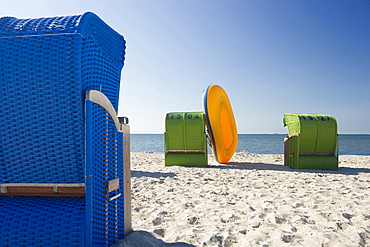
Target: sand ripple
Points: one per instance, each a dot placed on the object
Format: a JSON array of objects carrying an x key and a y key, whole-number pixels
[{"x": 252, "y": 201}]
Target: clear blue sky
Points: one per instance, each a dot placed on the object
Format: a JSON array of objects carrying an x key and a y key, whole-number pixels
[{"x": 271, "y": 56}]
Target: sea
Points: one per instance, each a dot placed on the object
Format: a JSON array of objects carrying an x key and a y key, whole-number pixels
[{"x": 256, "y": 143}]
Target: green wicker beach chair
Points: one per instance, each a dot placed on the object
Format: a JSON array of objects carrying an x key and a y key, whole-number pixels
[
  {"x": 312, "y": 141},
  {"x": 185, "y": 142}
]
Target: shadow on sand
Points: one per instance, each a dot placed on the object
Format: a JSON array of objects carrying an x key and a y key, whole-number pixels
[
  {"x": 145, "y": 239},
  {"x": 139, "y": 174},
  {"x": 263, "y": 166}
]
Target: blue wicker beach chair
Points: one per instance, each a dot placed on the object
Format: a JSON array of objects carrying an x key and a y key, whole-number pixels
[{"x": 62, "y": 147}]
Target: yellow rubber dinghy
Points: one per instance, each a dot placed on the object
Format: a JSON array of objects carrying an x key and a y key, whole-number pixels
[{"x": 221, "y": 125}]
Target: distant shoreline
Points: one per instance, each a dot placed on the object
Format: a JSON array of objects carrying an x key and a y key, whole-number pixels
[{"x": 349, "y": 144}]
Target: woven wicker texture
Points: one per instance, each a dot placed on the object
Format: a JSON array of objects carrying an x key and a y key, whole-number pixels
[
  {"x": 49, "y": 136},
  {"x": 106, "y": 215},
  {"x": 49, "y": 221},
  {"x": 47, "y": 66}
]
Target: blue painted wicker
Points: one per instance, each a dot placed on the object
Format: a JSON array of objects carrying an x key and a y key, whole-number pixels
[
  {"x": 104, "y": 164},
  {"x": 42, "y": 221},
  {"x": 48, "y": 135}
]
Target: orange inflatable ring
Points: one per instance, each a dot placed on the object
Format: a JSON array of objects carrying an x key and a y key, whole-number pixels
[{"x": 221, "y": 124}]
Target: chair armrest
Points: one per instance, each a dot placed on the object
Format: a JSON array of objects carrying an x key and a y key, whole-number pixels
[
  {"x": 119, "y": 124},
  {"x": 291, "y": 136},
  {"x": 99, "y": 98},
  {"x": 291, "y": 149}
]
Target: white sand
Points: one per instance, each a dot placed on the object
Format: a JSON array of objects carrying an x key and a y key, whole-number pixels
[{"x": 252, "y": 201}]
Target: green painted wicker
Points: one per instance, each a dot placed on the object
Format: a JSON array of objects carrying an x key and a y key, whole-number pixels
[
  {"x": 312, "y": 142},
  {"x": 185, "y": 142}
]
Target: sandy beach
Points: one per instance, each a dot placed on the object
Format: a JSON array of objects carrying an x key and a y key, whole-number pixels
[{"x": 254, "y": 200}]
